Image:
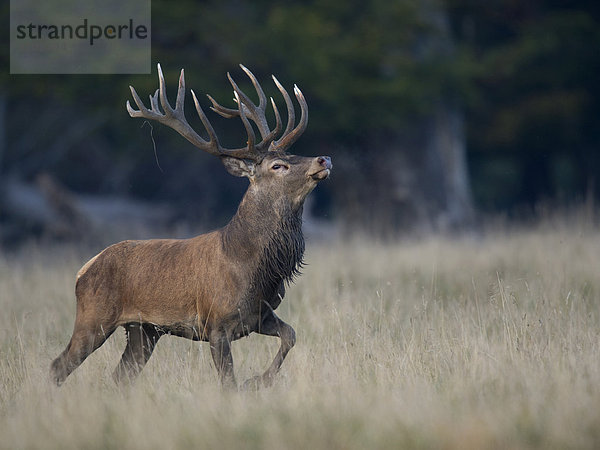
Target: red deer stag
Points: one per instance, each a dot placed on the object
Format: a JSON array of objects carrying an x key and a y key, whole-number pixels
[{"x": 219, "y": 286}]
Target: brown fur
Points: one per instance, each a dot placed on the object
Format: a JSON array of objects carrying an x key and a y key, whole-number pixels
[{"x": 215, "y": 287}]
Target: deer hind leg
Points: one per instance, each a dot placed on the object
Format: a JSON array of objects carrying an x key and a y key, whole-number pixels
[
  {"x": 86, "y": 338},
  {"x": 220, "y": 348},
  {"x": 273, "y": 326},
  {"x": 141, "y": 340}
]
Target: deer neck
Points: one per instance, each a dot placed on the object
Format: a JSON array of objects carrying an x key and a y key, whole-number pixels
[{"x": 266, "y": 234}]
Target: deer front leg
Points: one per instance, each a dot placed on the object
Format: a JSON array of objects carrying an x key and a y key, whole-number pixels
[
  {"x": 220, "y": 348},
  {"x": 273, "y": 326}
]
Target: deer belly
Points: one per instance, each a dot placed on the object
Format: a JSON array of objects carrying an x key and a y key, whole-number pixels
[{"x": 163, "y": 307}]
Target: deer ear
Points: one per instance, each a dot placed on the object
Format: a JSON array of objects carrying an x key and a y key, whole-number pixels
[{"x": 238, "y": 167}]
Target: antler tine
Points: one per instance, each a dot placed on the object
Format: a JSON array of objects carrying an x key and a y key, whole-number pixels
[
  {"x": 290, "y": 108},
  {"x": 228, "y": 113},
  {"x": 262, "y": 99},
  {"x": 209, "y": 129},
  {"x": 180, "y": 93},
  {"x": 143, "y": 111},
  {"x": 256, "y": 113},
  {"x": 154, "y": 102},
  {"x": 278, "y": 126},
  {"x": 247, "y": 126},
  {"x": 288, "y": 139},
  {"x": 163, "y": 92}
]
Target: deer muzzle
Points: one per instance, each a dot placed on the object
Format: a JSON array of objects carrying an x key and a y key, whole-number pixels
[{"x": 323, "y": 169}]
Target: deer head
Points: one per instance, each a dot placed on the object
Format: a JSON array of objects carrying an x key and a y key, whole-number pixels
[{"x": 288, "y": 178}]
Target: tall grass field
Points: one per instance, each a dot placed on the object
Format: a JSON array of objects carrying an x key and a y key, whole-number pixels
[{"x": 486, "y": 342}]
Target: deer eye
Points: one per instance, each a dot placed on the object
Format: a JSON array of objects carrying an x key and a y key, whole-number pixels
[{"x": 278, "y": 167}]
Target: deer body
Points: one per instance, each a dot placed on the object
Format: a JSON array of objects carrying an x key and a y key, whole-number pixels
[
  {"x": 187, "y": 287},
  {"x": 216, "y": 287}
]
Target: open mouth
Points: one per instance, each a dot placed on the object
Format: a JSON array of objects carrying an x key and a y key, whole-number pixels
[{"x": 321, "y": 174}]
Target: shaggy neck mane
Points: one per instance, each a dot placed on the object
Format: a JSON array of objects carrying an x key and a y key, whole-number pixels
[
  {"x": 282, "y": 255},
  {"x": 267, "y": 234}
]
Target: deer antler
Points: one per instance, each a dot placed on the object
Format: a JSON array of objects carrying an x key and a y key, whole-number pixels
[
  {"x": 175, "y": 118},
  {"x": 257, "y": 113}
]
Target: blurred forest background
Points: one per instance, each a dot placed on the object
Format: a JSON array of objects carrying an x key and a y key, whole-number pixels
[{"x": 436, "y": 113}]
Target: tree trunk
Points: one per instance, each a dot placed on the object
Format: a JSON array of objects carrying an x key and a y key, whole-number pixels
[{"x": 420, "y": 177}]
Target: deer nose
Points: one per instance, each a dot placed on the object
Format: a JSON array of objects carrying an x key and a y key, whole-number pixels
[{"x": 325, "y": 161}]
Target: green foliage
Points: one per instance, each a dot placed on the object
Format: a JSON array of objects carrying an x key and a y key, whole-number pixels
[
  {"x": 526, "y": 74},
  {"x": 534, "y": 117},
  {"x": 360, "y": 63}
]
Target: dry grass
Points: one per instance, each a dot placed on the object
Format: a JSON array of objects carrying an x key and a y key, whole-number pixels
[{"x": 474, "y": 343}]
